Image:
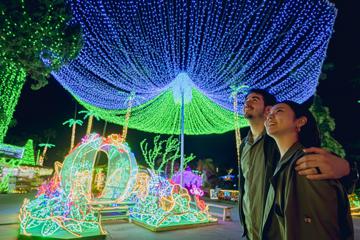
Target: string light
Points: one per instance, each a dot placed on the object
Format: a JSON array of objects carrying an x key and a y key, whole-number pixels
[
  {"x": 153, "y": 48},
  {"x": 4, "y": 183},
  {"x": 202, "y": 116},
  {"x": 12, "y": 79},
  {"x": 29, "y": 37}
]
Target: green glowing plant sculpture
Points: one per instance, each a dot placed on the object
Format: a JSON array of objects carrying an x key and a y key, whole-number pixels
[{"x": 163, "y": 151}]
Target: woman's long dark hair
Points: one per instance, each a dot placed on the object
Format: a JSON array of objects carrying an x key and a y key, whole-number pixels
[{"x": 309, "y": 135}]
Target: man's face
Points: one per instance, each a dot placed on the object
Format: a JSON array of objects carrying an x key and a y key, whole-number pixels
[{"x": 254, "y": 106}]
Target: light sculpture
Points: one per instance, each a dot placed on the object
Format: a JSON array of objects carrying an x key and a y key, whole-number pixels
[
  {"x": 191, "y": 181},
  {"x": 57, "y": 214},
  {"x": 165, "y": 50},
  {"x": 63, "y": 207},
  {"x": 163, "y": 205},
  {"x": 354, "y": 203},
  {"x": 77, "y": 171},
  {"x": 29, "y": 153}
]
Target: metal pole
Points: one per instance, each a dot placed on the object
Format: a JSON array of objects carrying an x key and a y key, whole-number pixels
[{"x": 182, "y": 136}]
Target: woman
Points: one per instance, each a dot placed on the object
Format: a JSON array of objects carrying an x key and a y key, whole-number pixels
[{"x": 297, "y": 208}]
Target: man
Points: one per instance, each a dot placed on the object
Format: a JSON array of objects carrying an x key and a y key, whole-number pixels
[{"x": 258, "y": 159}]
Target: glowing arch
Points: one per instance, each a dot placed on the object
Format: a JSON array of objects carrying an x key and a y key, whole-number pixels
[{"x": 76, "y": 173}]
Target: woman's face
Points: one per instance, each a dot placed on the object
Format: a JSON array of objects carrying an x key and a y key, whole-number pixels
[{"x": 282, "y": 120}]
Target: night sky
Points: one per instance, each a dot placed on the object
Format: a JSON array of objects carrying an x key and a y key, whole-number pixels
[{"x": 49, "y": 107}]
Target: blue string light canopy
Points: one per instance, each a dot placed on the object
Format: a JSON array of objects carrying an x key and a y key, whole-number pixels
[{"x": 194, "y": 53}]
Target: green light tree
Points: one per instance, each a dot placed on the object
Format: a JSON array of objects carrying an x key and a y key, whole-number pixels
[
  {"x": 72, "y": 123},
  {"x": 29, "y": 154},
  {"x": 35, "y": 38},
  {"x": 12, "y": 79}
]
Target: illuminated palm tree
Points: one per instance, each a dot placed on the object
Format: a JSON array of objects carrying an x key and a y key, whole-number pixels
[
  {"x": 72, "y": 123},
  {"x": 42, "y": 157},
  {"x": 235, "y": 91},
  {"x": 89, "y": 114},
  {"x": 130, "y": 101}
]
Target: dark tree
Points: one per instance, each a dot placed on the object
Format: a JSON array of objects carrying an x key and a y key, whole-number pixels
[
  {"x": 326, "y": 126},
  {"x": 36, "y": 37}
]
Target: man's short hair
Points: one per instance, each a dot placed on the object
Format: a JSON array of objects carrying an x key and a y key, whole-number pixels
[{"x": 269, "y": 99}]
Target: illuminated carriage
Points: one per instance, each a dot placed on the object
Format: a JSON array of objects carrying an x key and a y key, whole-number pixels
[{"x": 63, "y": 207}]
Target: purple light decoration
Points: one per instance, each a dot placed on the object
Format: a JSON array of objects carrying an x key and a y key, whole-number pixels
[{"x": 191, "y": 181}]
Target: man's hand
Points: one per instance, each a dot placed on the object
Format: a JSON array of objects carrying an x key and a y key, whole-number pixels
[{"x": 330, "y": 166}]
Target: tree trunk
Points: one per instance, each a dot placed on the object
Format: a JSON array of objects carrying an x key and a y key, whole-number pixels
[
  {"x": 42, "y": 157},
  {"x": 73, "y": 136},
  {"x": 237, "y": 130},
  {"x": 126, "y": 123},
  {"x": 104, "y": 129},
  {"x": 89, "y": 125}
]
